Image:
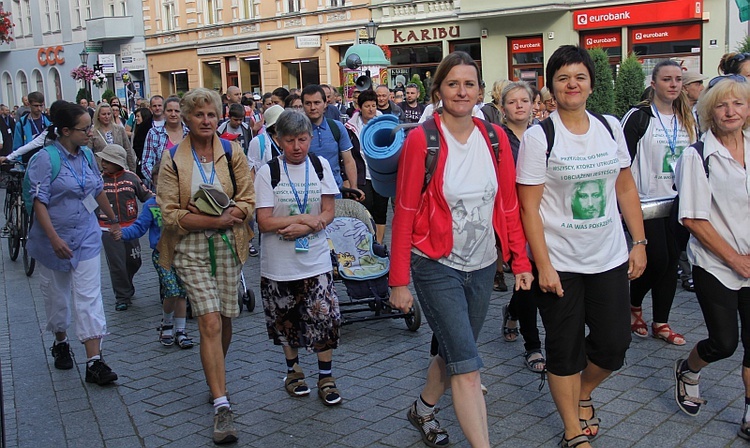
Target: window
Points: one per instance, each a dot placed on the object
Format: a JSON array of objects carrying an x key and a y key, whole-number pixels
[
  {"x": 246, "y": 9},
  {"x": 47, "y": 18},
  {"x": 117, "y": 8},
  {"x": 18, "y": 12},
  {"x": 87, "y": 9},
  {"x": 22, "y": 83},
  {"x": 27, "y": 15},
  {"x": 55, "y": 16},
  {"x": 526, "y": 60},
  {"x": 53, "y": 81},
  {"x": 293, "y": 5},
  {"x": 168, "y": 21},
  {"x": 38, "y": 81},
  {"x": 211, "y": 13},
  {"x": 335, "y": 3},
  {"x": 9, "y": 97},
  {"x": 77, "y": 14}
]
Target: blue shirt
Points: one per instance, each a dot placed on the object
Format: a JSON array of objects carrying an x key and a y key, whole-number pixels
[
  {"x": 149, "y": 220},
  {"x": 324, "y": 145},
  {"x": 63, "y": 197}
]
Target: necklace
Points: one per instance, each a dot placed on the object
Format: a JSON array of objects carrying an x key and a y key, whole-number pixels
[{"x": 203, "y": 159}]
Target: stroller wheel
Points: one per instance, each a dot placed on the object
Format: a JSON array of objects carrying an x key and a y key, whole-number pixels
[
  {"x": 249, "y": 300},
  {"x": 413, "y": 318}
]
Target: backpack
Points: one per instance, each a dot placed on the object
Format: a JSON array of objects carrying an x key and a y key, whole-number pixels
[
  {"x": 54, "y": 161},
  {"x": 433, "y": 147},
  {"x": 681, "y": 234},
  {"x": 549, "y": 130},
  {"x": 227, "y": 146},
  {"x": 334, "y": 129},
  {"x": 262, "y": 142},
  {"x": 276, "y": 168}
]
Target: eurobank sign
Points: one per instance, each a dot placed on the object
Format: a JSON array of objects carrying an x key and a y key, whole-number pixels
[{"x": 637, "y": 14}]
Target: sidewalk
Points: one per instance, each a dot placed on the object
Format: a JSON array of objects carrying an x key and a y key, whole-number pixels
[{"x": 161, "y": 396}]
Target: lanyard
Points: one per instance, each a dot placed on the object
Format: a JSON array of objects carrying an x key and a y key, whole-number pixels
[
  {"x": 671, "y": 140},
  {"x": 81, "y": 181},
  {"x": 36, "y": 129},
  {"x": 302, "y": 205},
  {"x": 200, "y": 168},
  {"x": 276, "y": 151}
]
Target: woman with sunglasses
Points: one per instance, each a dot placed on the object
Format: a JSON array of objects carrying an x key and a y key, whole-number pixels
[
  {"x": 735, "y": 64},
  {"x": 656, "y": 131},
  {"x": 717, "y": 215}
]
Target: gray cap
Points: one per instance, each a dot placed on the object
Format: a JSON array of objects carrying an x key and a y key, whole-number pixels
[{"x": 689, "y": 77}]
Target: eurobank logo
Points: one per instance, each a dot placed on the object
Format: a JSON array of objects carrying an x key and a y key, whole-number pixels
[
  {"x": 638, "y": 14},
  {"x": 583, "y": 19}
]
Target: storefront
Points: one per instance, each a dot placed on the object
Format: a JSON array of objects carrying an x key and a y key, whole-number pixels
[{"x": 45, "y": 70}]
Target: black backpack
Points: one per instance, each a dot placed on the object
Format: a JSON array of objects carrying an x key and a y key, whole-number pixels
[
  {"x": 681, "y": 234},
  {"x": 275, "y": 167},
  {"x": 549, "y": 130},
  {"x": 433, "y": 147}
]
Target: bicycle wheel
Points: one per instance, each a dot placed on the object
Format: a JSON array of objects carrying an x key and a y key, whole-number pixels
[
  {"x": 14, "y": 240},
  {"x": 28, "y": 261}
]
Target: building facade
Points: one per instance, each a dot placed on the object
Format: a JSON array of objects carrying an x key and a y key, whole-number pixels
[
  {"x": 512, "y": 39},
  {"x": 49, "y": 36},
  {"x": 255, "y": 45}
]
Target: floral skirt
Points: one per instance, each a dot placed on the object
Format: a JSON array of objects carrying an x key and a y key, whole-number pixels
[{"x": 302, "y": 313}]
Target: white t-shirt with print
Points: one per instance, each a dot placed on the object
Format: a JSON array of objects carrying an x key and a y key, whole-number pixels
[
  {"x": 469, "y": 187},
  {"x": 579, "y": 211},
  {"x": 279, "y": 260},
  {"x": 653, "y": 165}
]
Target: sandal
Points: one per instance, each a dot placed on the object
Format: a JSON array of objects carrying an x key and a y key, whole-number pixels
[
  {"x": 295, "y": 384},
  {"x": 432, "y": 436},
  {"x": 664, "y": 332},
  {"x": 574, "y": 442},
  {"x": 688, "y": 404},
  {"x": 688, "y": 284},
  {"x": 183, "y": 341},
  {"x": 327, "y": 391},
  {"x": 744, "y": 430},
  {"x": 166, "y": 340},
  {"x": 535, "y": 361},
  {"x": 509, "y": 334},
  {"x": 638, "y": 326},
  {"x": 590, "y": 427}
]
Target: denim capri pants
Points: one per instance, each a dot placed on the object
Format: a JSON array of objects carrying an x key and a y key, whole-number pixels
[{"x": 455, "y": 304}]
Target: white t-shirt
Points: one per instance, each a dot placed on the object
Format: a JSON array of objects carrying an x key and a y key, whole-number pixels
[
  {"x": 582, "y": 224},
  {"x": 723, "y": 199},
  {"x": 469, "y": 187},
  {"x": 430, "y": 109},
  {"x": 197, "y": 179},
  {"x": 278, "y": 260},
  {"x": 254, "y": 158},
  {"x": 654, "y": 161}
]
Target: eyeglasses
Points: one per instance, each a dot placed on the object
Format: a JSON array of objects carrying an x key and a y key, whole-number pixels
[
  {"x": 86, "y": 129},
  {"x": 733, "y": 77}
]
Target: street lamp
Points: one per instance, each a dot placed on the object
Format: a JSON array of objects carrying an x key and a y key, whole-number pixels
[
  {"x": 84, "y": 54},
  {"x": 372, "y": 31}
]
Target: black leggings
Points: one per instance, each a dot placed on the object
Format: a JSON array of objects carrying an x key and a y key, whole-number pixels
[
  {"x": 376, "y": 204},
  {"x": 660, "y": 276},
  {"x": 522, "y": 307},
  {"x": 720, "y": 305}
]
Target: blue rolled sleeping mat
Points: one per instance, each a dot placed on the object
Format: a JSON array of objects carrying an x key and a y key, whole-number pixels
[{"x": 381, "y": 151}]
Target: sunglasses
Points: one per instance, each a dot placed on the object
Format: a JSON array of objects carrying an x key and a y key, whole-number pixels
[{"x": 733, "y": 77}]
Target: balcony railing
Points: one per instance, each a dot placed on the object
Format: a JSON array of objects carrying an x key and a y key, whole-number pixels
[{"x": 110, "y": 28}]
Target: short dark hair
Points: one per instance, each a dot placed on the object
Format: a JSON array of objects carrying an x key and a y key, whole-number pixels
[
  {"x": 311, "y": 90},
  {"x": 281, "y": 93},
  {"x": 155, "y": 97},
  {"x": 236, "y": 111},
  {"x": 412, "y": 85},
  {"x": 266, "y": 96},
  {"x": 290, "y": 99},
  {"x": 36, "y": 97},
  {"x": 568, "y": 55},
  {"x": 367, "y": 95}
]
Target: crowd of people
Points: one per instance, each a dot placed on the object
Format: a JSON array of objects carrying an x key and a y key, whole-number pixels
[{"x": 509, "y": 192}]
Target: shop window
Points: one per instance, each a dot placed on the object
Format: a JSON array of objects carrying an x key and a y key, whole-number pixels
[
  {"x": 413, "y": 60},
  {"x": 176, "y": 82},
  {"x": 232, "y": 76},
  {"x": 678, "y": 42},
  {"x": 249, "y": 74},
  {"x": 300, "y": 73},
  {"x": 526, "y": 60},
  {"x": 472, "y": 47},
  {"x": 212, "y": 75},
  {"x": 608, "y": 40}
]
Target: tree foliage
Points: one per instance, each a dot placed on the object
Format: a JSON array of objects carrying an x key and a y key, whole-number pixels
[
  {"x": 743, "y": 46},
  {"x": 602, "y": 99},
  {"x": 629, "y": 84},
  {"x": 108, "y": 95},
  {"x": 82, "y": 93},
  {"x": 416, "y": 80}
]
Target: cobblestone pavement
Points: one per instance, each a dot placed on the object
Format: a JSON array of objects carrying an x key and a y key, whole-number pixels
[{"x": 161, "y": 396}]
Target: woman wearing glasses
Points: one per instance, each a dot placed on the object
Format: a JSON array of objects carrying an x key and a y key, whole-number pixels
[
  {"x": 717, "y": 214},
  {"x": 656, "y": 131},
  {"x": 735, "y": 64}
]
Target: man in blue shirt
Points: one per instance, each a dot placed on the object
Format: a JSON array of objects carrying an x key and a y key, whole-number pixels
[
  {"x": 324, "y": 142},
  {"x": 31, "y": 124}
]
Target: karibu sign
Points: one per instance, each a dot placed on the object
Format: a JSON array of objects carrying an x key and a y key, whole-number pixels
[
  {"x": 426, "y": 34},
  {"x": 665, "y": 34},
  {"x": 526, "y": 45},
  {"x": 638, "y": 14}
]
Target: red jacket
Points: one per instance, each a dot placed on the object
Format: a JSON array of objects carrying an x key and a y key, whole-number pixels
[{"x": 424, "y": 220}]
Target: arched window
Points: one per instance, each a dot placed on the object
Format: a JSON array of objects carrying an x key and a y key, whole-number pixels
[
  {"x": 54, "y": 85},
  {"x": 22, "y": 85},
  {"x": 8, "y": 95},
  {"x": 38, "y": 81}
]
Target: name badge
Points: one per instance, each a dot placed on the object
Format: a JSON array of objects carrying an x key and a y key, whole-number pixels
[
  {"x": 302, "y": 244},
  {"x": 90, "y": 203}
]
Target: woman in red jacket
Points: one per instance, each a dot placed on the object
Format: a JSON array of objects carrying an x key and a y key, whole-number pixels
[{"x": 447, "y": 232}]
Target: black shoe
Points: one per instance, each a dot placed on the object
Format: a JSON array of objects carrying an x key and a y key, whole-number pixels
[
  {"x": 98, "y": 372},
  {"x": 499, "y": 284},
  {"x": 61, "y": 353},
  {"x": 252, "y": 251},
  {"x": 688, "y": 285}
]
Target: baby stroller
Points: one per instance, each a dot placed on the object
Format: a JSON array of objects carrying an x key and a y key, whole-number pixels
[{"x": 362, "y": 264}]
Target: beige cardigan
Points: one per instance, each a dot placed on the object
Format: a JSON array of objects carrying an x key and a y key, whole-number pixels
[
  {"x": 97, "y": 143},
  {"x": 173, "y": 195}
]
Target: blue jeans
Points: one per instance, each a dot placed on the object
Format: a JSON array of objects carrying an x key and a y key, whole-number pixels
[{"x": 455, "y": 304}]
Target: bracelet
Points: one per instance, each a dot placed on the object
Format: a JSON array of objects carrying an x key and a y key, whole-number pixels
[{"x": 643, "y": 241}]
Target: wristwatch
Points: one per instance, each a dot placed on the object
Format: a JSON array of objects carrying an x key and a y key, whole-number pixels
[{"x": 643, "y": 241}]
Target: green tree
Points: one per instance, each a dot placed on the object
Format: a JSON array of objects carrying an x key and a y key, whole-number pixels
[
  {"x": 602, "y": 99},
  {"x": 629, "y": 84},
  {"x": 743, "y": 46},
  {"x": 108, "y": 95},
  {"x": 82, "y": 93},
  {"x": 415, "y": 79}
]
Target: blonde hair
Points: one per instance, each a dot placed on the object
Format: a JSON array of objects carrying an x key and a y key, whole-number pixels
[
  {"x": 712, "y": 96},
  {"x": 681, "y": 105},
  {"x": 199, "y": 97},
  {"x": 102, "y": 105},
  {"x": 497, "y": 90}
]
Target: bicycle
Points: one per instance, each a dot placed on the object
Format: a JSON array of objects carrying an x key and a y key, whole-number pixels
[{"x": 18, "y": 221}]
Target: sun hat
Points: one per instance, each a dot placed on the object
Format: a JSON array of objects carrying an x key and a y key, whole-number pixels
[
  {"x": 256, "y": 96},
  {"x": 114, "y": 154},
  {"x": 689, "y": 77},
  {"x": 272, "y": 114}
]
